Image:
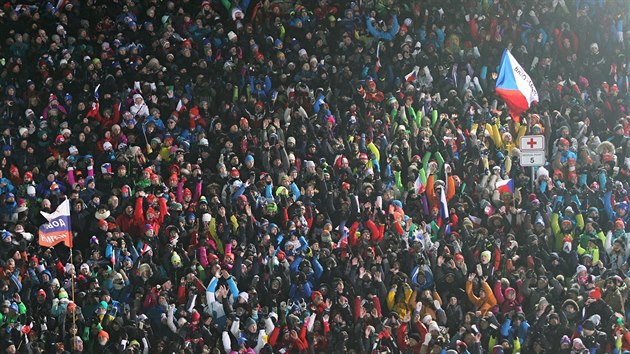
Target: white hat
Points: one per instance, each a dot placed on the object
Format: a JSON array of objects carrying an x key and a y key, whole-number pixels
[
  {"x": 302, "y": 52},
  {"x": 244, "y": 296},
  {"x": 433, "y": 326},
  {"x": 206, "y": 217},
  {"x": 137, "y": 95},
  {"x": 542, "y": 172},
  {"x": 231, "y": 35},
  {"x": 580, "y": 268},
  {"x": 30, "y": 190},
  {"x": 22, "y": 131},
  {"x": 107, "y": 145},
  {"x": 28, "y": 112},
  {"x": 73, "y": 149},
  {"x": 203, "y": 142}
]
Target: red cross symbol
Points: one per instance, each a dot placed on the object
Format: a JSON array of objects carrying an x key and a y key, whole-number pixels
[{"x": 531, "y": 143}]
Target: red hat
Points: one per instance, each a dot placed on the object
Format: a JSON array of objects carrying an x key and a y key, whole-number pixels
[
  {"x": 28, "y": 174},
  {"x": 60, "y": 139},
  {"x": 458, "y": 257},
  {"x": 195, "y": 317},
  {"x": 212, "y": 258},
  {"x": 563, "y": 141},
  {"x": 150, "y": 210},
  {"x": 187, "y": 191},
  {"x": 194, "y": 112},
  {"x": 41, "y": 292},
  {"x": 230, "y": 256},
  {"x": 595, "y": 294},
  {"x": 315, "y": 294},
  {"x": 281, "y": 256},
  {"x": 151, "y": 198},
  {"x": 363, "y": 156},
  {"x": 174, "y": 177},
  {"x": 234, "y": 173},
  {"x": 155, "y": 176},
  {"x": 72, "y": 306},
  {"x": 620, "y": 224},
  {"x": 103, "y": 334}
]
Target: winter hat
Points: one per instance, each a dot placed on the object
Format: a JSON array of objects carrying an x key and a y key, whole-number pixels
[
  {"x": 596, "y": 319},
  {"x": 103, "y": 334},
  {"x": 231, "y": 35},
  {"x": 243, "y": 295},
  {"x": 486, "y": 254},
  {"x": 315, "y": 294},
  {"x": 619, "y": 224},
  {"x": 580, "y": 268},
  {"x": 565, "y": 340},
  {"x": 433, "y": 326},
  {"x": 595, "y": 294},
  {"x": 103, "y": 305},
  {"x": 176, "y": 259},
  {"x": 249, "y": 322},
  {"x": 195, "y": 317},
  {"x": 63, "y": 294},
  {"x": 588, "y": 324}
]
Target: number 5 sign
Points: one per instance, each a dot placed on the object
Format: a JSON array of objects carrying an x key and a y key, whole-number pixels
[{"x": 532, "y": 150}]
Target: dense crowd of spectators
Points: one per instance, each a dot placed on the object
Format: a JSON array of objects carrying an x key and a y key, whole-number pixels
[{"x": 266, "y": 177}]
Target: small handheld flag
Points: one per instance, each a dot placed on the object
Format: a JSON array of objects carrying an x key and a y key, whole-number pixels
[
  {"x": 444, "y": 213},
  {"x": 505, "y": 186}
]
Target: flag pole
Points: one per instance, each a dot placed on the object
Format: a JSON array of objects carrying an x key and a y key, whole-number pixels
[{"x": 74, "y": 309}]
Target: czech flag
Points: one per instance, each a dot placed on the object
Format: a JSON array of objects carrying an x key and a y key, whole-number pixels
[
  {"x": 57, "y": 229},
  {"x": 411, "y": 77},
  {"x": 505, "y": 186},
  {"x": 515, "y": 86}
]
